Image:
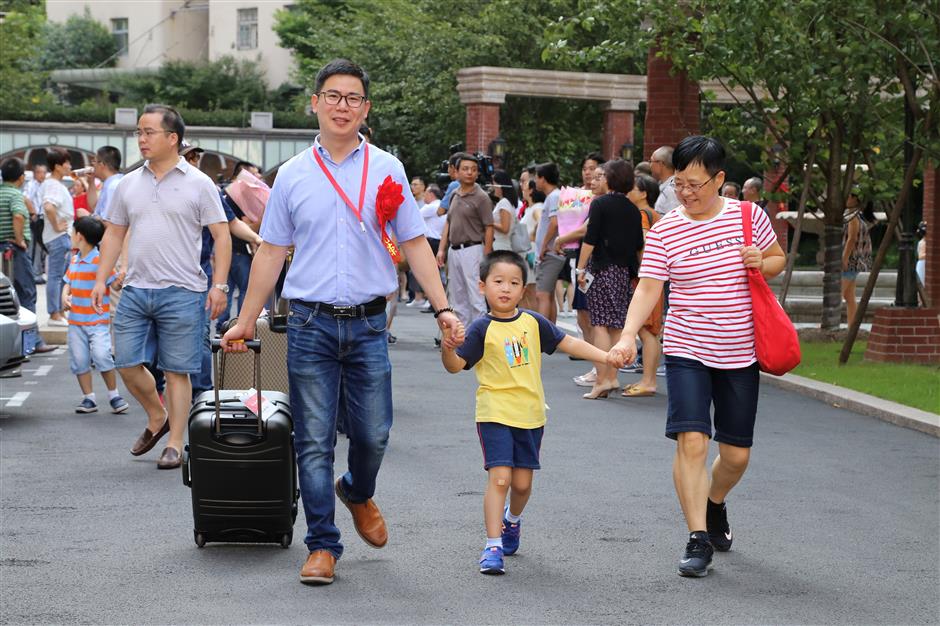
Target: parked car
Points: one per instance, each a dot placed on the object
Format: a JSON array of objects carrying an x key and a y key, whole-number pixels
[{"x": 19, "y": 330}]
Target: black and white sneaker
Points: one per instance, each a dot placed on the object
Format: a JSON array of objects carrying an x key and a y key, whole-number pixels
[
  {"x": 719, "y": 532},
  {"x": 697, "y": 559}
]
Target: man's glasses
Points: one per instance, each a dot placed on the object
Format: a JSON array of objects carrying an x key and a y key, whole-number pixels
[
  {"x": 332, "y": 98},
  {"x": 149, "y": 132},
  {"x": 693, "y": 187}
]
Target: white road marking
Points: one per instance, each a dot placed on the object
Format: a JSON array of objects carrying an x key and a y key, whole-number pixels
[
  {"x": 43, "y": 370},
  {"x": 18, "y": 398}
]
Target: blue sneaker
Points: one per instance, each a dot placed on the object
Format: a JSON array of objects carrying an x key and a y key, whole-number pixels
[
  {"x": 118, "y": 404},
  {"x": 491, "y": 561},
  {"x": 511, "y": 534},
  {"x": 87, "y": 405}
]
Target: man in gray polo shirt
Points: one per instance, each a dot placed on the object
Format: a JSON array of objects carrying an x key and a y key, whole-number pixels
[
  {"x": 467, "y": 238},
  {"x": 165, "y": 204}
]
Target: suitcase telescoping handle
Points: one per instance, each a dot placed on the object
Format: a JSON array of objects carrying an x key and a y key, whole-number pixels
[{"x": 255, "y": 346}]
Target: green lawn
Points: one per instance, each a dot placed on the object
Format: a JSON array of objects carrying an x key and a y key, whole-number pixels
[{"x": 914, "y": 385}]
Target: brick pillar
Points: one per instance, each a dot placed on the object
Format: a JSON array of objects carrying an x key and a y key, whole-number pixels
[
  {"x": 482, "y": 126},
  {"x": 913, "y": 335},
  {"x": 932, "y": 217},
  {"x": 771, "y": 176},
  {"x": 672, "y": 105},
  {"x": 618, "y": 130}
]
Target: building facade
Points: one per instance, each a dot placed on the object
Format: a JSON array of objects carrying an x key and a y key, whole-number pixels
[{"x": 151, "y": 32}]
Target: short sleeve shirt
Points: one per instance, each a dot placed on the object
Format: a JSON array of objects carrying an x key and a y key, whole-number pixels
[
  {"x": 336, "y": 260},
  {"x": 80, "y": 278},
  {"x": 57, "y": 194},
  {"x": 469, "y": 215},
  {"x": 507, "y": 357},
  {"x": 11, "y": 203},
  {"x": 166, "y": 219},
  {"x": 549, "y": 210},
  {"x": 667, "y": 199},
  {"x": 503, "y": 241},
  {"x": 709, "y": 300},
  {"x": 104, "y": 196}
]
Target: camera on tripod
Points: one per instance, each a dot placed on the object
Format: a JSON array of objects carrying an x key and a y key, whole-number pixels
[{"x": 484, "y": 167}]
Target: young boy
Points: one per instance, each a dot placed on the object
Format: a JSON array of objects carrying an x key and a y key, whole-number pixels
[
  {"x": 505, "y": 347},
  {"x": 89, "y": 334}
]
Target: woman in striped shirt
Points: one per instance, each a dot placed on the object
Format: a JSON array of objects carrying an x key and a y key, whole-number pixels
[{"x": 708, "y": 338}]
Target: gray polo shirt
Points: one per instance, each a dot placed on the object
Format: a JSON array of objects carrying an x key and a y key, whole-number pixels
[{"x": 165, "y": 218}]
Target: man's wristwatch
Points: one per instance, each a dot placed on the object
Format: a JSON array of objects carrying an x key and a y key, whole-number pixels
[{"x": 223, "y": 287}]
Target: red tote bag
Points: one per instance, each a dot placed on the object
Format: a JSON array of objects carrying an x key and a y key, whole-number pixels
[{"x": 775, "y": 339}]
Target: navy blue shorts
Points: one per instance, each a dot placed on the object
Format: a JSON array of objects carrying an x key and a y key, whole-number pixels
[
  {"x": 508, "y": 446},
  {"x": 692, "y": 389}
]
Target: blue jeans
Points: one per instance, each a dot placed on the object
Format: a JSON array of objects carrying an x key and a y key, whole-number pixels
[
  {"x": 237, "y": 279},
  {"x": 87, "y": 345},
  {"x": 59, "y": 249},
  {"x": 174, "y": 316},
  {"x": 24, "y": 283},
  {"x": 321, "y": 353}
]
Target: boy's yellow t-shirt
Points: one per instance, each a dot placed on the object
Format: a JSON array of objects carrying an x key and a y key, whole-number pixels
[{"x": 507, "y": 356}]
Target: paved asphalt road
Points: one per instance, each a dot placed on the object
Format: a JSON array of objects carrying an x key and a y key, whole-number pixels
[{"x": 836, "y": 521}]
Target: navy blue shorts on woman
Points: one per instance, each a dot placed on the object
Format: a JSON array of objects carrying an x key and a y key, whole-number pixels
[
  {"x": 694, "y": 387},
  {"x": 508, "y": 446}
]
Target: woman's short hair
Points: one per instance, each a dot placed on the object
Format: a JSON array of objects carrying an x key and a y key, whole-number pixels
[
  {"x": 649, "y": 186},
  {"x": 536, "y": 195},
  {"x": 699, "y": 149},
  {"x": 619, "y": 175},
  {"x": 57, "y": 156}
]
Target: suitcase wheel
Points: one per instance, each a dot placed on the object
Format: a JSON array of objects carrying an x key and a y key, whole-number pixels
[
  {"x": 200, "y": 539},
  {"x": 285, "y": 541}
]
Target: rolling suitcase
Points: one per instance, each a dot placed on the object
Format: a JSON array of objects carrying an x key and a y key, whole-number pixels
[
  {"x": 240, "y": 467},
  {"x": 237, "y": 370}
]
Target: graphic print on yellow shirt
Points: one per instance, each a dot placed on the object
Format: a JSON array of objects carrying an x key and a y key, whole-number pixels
[{"x": 507, "y": 357}]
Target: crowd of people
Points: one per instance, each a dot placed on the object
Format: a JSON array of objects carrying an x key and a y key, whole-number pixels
[{"x": 651, "y": 259}]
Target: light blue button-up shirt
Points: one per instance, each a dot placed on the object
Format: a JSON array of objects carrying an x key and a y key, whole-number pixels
[
  {"x": 334, "y": 260},
  {"x": 104, "y": 196}
]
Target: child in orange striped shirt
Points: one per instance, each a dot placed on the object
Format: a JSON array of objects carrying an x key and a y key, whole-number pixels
[{"x": 89, "y": 332}]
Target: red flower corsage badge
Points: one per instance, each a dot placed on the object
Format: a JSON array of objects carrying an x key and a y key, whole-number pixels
[{"x": 387, "y": 200}]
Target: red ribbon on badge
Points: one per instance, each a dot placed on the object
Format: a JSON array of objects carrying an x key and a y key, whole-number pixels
[{"x": 387, "y": 201}]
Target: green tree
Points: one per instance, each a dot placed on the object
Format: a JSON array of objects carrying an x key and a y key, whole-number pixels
[
  {"x": 80, "y": 41},
  {"x": 413, "y": 49},
  {"x": 20, "y": 37},
  {"x": 822, "y": 82}
]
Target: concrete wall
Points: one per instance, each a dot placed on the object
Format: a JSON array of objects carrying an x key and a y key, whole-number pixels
[
  {"x": 223, "y": 37},
  {"x": 158, "y": 30}
]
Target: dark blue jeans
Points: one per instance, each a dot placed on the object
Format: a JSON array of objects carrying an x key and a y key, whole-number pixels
[
  {"x": 237, "y": 279},
  {"x": 322, "y": 352}
]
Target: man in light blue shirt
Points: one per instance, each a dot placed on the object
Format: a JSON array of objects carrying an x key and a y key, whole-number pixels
[
  {"x": 324, "y": 204},
  {"x": 107, "y": 170}
]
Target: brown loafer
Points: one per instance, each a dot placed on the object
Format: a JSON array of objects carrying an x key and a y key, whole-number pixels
[
  {"x": 148, "y": 440},
  {"x": 366, "y": 516},
  {"x": 318, "y": 570},
  {"x": 170, "y": 459}
]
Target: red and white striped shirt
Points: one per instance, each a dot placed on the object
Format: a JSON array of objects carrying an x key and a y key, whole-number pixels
[{"x": 709, "y": 316}]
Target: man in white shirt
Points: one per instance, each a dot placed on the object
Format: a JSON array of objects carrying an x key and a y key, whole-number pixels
[{"x": 665, "y": 173}]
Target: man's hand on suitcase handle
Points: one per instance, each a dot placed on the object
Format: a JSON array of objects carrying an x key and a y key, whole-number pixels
[{"x": 234, "y": 339}]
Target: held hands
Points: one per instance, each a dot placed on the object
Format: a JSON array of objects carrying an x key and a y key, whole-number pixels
[
  {"x": 623, "y": 353},
  {"x": 118, "y": 281},
  {"x": 752, "y": 257},
  {"x": 453, "y": 330}
]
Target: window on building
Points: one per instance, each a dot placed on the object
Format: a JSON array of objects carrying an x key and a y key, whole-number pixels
[
  {"x": 247, "y": 29},
  {"x": 119, "y": 32}
]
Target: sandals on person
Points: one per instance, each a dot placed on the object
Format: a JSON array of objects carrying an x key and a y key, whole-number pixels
[{"x": 635, "y": 391}]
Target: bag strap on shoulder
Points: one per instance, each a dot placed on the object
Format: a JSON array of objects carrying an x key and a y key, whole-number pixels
[{"x": 747, "y": 208}]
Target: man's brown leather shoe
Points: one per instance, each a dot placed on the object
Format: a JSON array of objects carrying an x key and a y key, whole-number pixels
[
  {"x": 44, "y": 348},
  {"x": 148, "y": 440},
  {"x": 366, "y": 516},
  {"x": 318, "y": 570},
  {"x": 170, "y": 459}
]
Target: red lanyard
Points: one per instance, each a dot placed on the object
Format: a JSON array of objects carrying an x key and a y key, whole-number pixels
[{"x": 342, "y": 194}]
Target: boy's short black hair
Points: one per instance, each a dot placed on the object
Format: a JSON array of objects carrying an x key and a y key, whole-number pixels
[
  {"x": 342, "y": 67},
  {"x": 503, "y": 256},
  {"x": 91, "y": 228},
  {"x": 549, "y": 171},
  {"x": 11, "y": 170},
  {"x": 705, "y": 151}
]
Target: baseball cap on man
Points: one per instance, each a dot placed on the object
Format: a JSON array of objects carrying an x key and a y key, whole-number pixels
[{"x": 188, "y": 149}]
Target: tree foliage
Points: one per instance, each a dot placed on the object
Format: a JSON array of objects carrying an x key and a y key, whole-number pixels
[
  {"x": 81, "y": 41},
  {"x": 20, "y": 76},
  {"x": 413, "y": 49},
  {"x": 821, "y": 77}
]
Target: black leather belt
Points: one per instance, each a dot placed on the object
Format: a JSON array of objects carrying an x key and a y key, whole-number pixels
[
  {"x": 468, "y": 244},
  {"x": 373, "y": 307}
]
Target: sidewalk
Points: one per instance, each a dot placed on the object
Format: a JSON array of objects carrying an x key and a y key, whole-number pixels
[
  {"x": 53, "y": 335},
  {"x": 856, "y": 401}
]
